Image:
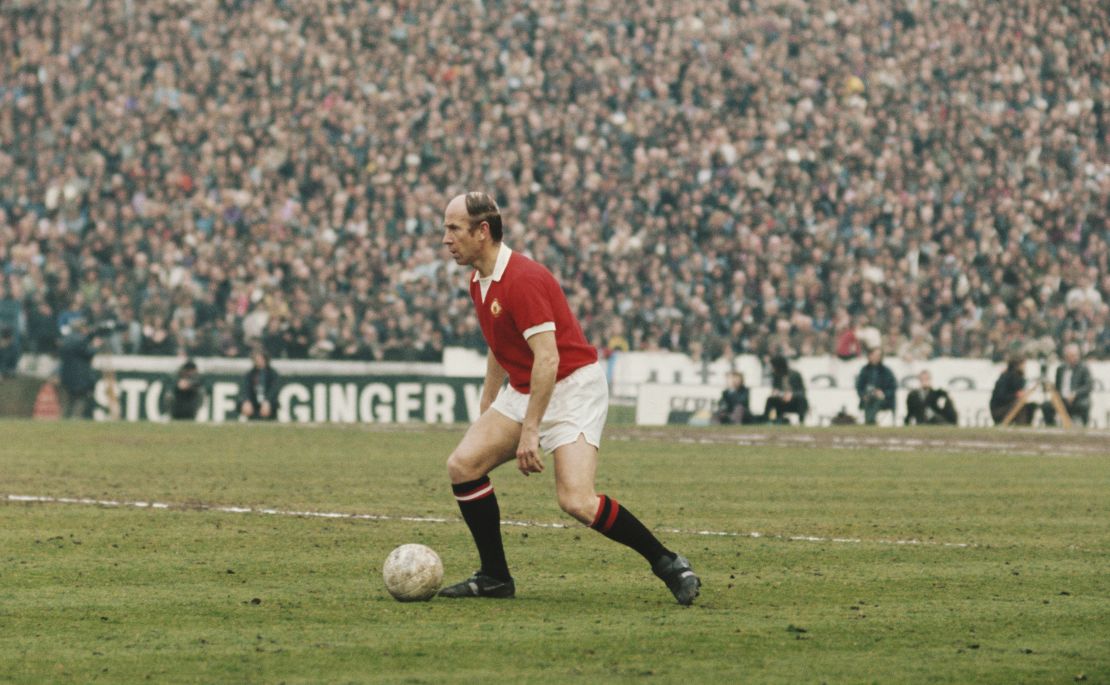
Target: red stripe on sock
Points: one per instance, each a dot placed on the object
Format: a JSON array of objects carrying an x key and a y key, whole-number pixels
[
  {"x": 597, "y": 514},
  {"x": 484, "y": 490},
  {"x": 613, "y": 509}
]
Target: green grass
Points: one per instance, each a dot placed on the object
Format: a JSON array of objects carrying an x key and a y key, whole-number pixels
[{"x": 189, "y": 595}]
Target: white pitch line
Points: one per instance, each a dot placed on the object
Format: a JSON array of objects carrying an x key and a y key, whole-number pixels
[
  {"x": 46, "y": 499},
  {"x": 1026, "y": 448}
]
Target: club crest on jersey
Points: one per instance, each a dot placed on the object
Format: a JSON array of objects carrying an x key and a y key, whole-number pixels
[{"x": 495, "y": 308}]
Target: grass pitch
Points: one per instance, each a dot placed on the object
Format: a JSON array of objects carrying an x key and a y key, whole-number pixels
[{"x": 842, "y": 558}]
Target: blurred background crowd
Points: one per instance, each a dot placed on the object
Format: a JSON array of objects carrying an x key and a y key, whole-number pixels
[{"x": 714, "y": 176}]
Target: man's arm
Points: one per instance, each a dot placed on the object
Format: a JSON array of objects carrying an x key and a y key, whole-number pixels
[
  {"x": 495, "y": 378},
  {"x": 890, "y": 388},
  {"x": 92, "y": 346},
  {"x": 545, "y": 366},
  {"x": 246, "y": 390},
  {"x": 273, "y": 386},
  {"x": 943, "y": 404},
  {"x": 1082, "y": 383},
  {"x": 744, "y": 398}
]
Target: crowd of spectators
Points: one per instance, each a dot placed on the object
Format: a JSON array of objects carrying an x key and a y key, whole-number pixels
[{"x": 710, "y": 176}]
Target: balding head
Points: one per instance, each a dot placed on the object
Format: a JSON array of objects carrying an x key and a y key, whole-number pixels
[
  {"x": 478, "y": 207},
  {"x": 472, "y": 231}
]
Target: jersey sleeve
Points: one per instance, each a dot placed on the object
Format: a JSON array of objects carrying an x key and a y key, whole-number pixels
[{"x": 532, "y": 311}]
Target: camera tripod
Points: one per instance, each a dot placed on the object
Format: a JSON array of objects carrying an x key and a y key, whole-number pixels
[{"x": 1053, "y": 395}]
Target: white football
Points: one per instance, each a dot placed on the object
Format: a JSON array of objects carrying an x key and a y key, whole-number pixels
[{"x": 412, "y": 573}]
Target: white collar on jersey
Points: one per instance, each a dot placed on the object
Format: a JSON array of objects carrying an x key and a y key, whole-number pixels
[
  {"x": 503, "y": 254},
  {"x": 498, "y": 267}
]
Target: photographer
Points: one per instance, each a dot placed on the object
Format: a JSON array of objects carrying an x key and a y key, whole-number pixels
[
  {"x": 733, "y": 405},
  {"x": 1008, "y": 399},
  {"x": 78, "y": 379},
  {"x": 929, "y": 405},
  {"x": 1074, "y": 384},
  {"x": 788, "y": 393},
  {"x": 258, "y": 393},
  {"x": 185, "y": 393},
  {"x": 875, "y": 386}
]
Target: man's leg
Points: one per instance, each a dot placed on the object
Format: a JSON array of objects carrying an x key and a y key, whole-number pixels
[
  {"x": 797, "y": 406},
  {"x": 1079, "y": 411},
  {"x": 86, "y": 405},
  {"x": 490, "y": 442},
  {"x": 947, "y": 413},
  {"x": 773, "y": 409},
  {"x": 575, "y": 468},
  {"x": 78, "y": 405},
  {"x": 1049, "y": 412},
  {"x": 870, "y": 410},
  {"x": 915, "y": 409},
  {"x": 1025, "y": 416},
  {"x": 70, "y": 401}
]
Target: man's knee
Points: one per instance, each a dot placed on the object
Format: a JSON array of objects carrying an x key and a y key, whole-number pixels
[
  {"x": 581, "y": 504},
  {"x": 461, "y": 469}
]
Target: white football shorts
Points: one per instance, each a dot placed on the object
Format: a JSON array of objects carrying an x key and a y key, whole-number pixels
[{"x": 579, "y": 405}]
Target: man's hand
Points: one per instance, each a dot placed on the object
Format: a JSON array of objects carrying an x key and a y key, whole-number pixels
[
  {"x": 528, "y": 457},
  {"x": 495, "y": 378}
]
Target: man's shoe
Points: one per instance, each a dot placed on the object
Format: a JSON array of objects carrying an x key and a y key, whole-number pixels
[
  {"x": 679, "y": 577},
  {"x": 481, "y": 585}
]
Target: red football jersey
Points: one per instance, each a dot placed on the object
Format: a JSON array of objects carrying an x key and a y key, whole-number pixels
[{"x": 523, "y": 299}]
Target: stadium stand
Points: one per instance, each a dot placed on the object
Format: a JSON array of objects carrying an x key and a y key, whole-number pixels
[{"x": 714, "y": 177}]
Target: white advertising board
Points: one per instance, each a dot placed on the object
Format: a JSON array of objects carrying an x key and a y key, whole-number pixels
[{"x": 661, "y": 384}]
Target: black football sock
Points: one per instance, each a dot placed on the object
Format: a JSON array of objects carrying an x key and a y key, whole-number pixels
[
  {"x": 478, "y": 505},
  {"x": 617, "y": 523}
]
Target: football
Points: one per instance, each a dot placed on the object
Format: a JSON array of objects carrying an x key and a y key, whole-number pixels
[{"x": 412, "y": 573}]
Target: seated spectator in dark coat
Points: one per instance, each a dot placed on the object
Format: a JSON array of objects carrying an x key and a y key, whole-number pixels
[
  {"x": 929, "y": 405},
  {"x": 258, "y": 393},
  {"x": 186, "y": 393},
  {"x": 875, "y": 386},
  {"x": 733, "y": 405},
  {"x": 788, "y": 393},
  {"x": 1074, "y": 384},
  {"x": 1009, "y": 393}
]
